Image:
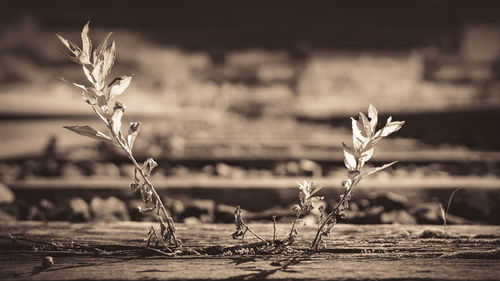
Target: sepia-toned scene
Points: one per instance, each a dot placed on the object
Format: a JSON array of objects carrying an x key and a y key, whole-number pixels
[{"x": 249, "y": 140}]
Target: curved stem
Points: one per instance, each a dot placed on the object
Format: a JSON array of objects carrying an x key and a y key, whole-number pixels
[
  {"x": 317, "y": 237},
  {"x": 146, "y": 180},
  {"x": 293, "y": 225}
]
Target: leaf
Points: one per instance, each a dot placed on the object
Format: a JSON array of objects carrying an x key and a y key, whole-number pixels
[
  {"x": 349, "y": 158},
  {"x": 391, "y": 127},
  {"x": 148, "y": 166},
  {"x": 134, "y": 186},
  {"x": 74, "y": 84},
  {"x": 86, "y": 45},
  {"x": 372, "y": 170},
  {"x": 109, "y": 56},
  {"x": 88, "y": 74},
  {"x": 366, "y": 155},
  {"x": 72, "y": 47},
  {"x": 89, "y": 132},
  {"x": 118, "y": 86},
  {"x": 88, "y": 98},
  {"x": 103, "y": 103},
  {"x": 132, "y": 133},
  {"x": 373, "y": 115},
  {"x": 116, "y": 118},
  {"x": 104, "y": 44},
  {"x": 97, "y": 75},
  {"x": 367, "y": 128},
  {"x": 357, "y": 135},
  {"x": 442, "y": 212}
]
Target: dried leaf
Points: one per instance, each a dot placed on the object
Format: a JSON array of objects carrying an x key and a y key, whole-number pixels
[
  {"x": 132, "y": 133},
  {"x": 146, "y": 193},
  {"x": 134, "y": 186},
  {"x": 373, "y": 115},
  {"x": 89, "y": 132},
  {"x": 148, "y": 166},
  {"x": 349, "y": 158},
  {"x": 118, "y": 86}
]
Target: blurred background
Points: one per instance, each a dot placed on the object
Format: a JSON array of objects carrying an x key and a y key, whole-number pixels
[{"x": 239, "y": 101}]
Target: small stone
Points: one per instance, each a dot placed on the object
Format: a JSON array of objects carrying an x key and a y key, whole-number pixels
[
  {"x": 208, "y": 170},
  {"x": 363, "y": 203},
  {"x": 390, "y": 201},
  {"x": 71, "y": 171},
  {"x": 397, "y": 217},
  {"x": 6, "y": 195},
  {"x": 192, "y": 221},
  {"x": 427, "y": 213},
  {"x": 79, "y": 210},
  {"x": 47, "y": 261},
  {"x": 223, "y": 170},
  {"x": 369, "y": 216},
  {"x": 310, "y": 168},
  {"x": 198, "y": 207},
  {"x": 110, "y": 209},
  {"x": 292, "y": 168}
]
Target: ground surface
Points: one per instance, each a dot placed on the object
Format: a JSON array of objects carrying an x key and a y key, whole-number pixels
[{"x": 116, "y": 251}]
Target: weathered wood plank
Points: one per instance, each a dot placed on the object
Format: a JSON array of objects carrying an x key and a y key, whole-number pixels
[{"x": 358, "y": 252}]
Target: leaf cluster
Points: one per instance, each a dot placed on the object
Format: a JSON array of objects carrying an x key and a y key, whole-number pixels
[
  {"x": 364, "y": 137},
  {"x": 97, "y": 64}
]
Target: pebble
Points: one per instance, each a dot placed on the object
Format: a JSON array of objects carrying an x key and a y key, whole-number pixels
[{"x": 6, "y": 195}]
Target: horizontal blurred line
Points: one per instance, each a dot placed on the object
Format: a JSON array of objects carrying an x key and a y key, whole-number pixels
[{"x": 473, "y": 182}]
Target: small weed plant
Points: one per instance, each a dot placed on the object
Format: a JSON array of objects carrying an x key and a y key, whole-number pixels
[
  {"x": 365, "y": 136},
  {"x": 99, "y": 94}
]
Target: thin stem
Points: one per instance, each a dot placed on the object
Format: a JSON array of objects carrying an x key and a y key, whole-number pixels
[
  {"x": 448, "y": 208},
  {"x": 255, "y": 234},
  {"x": 293, "y": 225},
  {"x": 274, "y": 229},
  {"x": 146, "y": 180},
  {"x": 317, "y": 237},
  {"x": 155, "y": 194}
]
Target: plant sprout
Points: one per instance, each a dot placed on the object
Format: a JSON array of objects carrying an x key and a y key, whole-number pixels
[
  {"x": 306, "y": 198},
  {"x": 96, "y": 64},
  {"x": 364, "y": 137}
]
